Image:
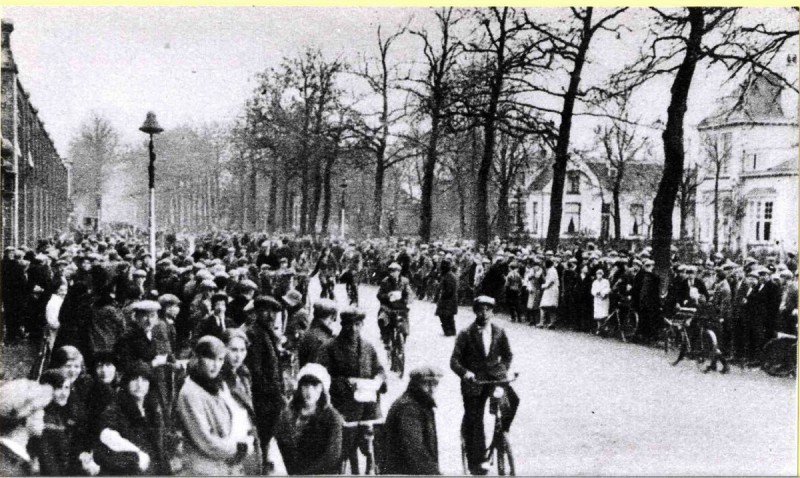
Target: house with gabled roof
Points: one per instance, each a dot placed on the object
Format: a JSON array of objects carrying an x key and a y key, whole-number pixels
[
  {"x": 588, "y": 200},
  {"x": 754, "y": 136}
]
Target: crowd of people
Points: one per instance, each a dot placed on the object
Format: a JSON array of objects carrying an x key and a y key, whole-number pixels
[{"x": 192, "y": 362}]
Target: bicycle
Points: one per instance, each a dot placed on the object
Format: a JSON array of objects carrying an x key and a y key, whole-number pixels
[
  {"x": 780, "y": 356},
  {"x": 676, "y": 335},
  {"x": 367, "y": 428},
  {"x": 500, "y": 446},
  {"x": 623, "y": 320},
  {"x": 396, "y": 348}
]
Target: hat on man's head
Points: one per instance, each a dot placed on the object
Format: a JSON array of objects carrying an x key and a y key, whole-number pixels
[
  {"x": 168, "y": 300},
  {"x": 394, "y": 266},
  {"x": 208, "y": 284},
  {"x": 247, "y": 285},
  {"x": 483, "y": 300},
  {"x": 324, "y": 308},
  {"x": 351, "y": 315},
  {"x": 292, "y": 298},
  {"x": 266, "y": 302},
  {"x": 139, "y": 273},
  {"x": 425, "y": 374},
  {"x": 219, "y": 296},
  {"x": 209, "y": 347},
  {"x": 146, "y": 306},
  {"x": 20, "y": 399}
]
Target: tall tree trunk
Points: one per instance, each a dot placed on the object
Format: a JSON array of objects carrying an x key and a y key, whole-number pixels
[
  {"x": 304, "y": 188},
  {"x": 564, "y": 132},
  {"x": 617, "y": 216},
  {"x": 377, "y": 197},
  {"x": 253, "y": 206},
  {"x": 716, "y": 209},
  {"x": 664, "y": 202},
  {"x": 502, "y": 223},
  {"x": 273, "y": 203},
  {"x": 286, "y": 222},
  {"x": 326, "y": 193},
  {"x": 316, "y": 200},
  {"x": 426, "y": 203}
]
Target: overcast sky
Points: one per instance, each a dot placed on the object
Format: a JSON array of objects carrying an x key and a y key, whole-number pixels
[{"x": 195, "y": 65}]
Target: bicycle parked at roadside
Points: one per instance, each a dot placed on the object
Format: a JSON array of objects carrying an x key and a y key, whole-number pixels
[{"x": 623, "y": 321}]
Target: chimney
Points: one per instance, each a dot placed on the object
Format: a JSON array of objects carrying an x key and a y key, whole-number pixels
[{"x": 8, "y": 58}]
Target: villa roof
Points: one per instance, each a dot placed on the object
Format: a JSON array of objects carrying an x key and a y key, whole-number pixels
[{"x": 757, "y": 100}]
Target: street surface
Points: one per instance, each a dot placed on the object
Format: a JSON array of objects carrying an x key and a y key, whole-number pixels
[{"x": 593, "y": 406}]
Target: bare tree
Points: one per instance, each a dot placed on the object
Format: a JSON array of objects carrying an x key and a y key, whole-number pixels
[
  {"x": 621, "y": 144},
  {"x": 92, "y": 152},
  {"x": 434, "y": 91},
  {"x": 717, "y": 154}
]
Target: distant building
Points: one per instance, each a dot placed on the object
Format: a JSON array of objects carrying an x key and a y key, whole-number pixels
[
  {"x": 754, "y": 135},
  {"x": 36, "y": 180},
  {"x": 587, "y": 209}
]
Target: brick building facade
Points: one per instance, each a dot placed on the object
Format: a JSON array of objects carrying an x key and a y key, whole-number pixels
[{"x": 35, "y": 179}]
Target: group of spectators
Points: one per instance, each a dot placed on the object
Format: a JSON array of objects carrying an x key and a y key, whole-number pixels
[{"x": 190, "y": 364}]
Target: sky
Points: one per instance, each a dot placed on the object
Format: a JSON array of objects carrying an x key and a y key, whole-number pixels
[{"x": 197, "y": 64}]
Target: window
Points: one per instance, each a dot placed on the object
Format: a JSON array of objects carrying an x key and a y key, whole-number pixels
[
  {"x": 726, "y": 153},
  {"x": 572, "y": 217},
  {"x": 762, "y": 213},
  {"x": 637, "y": 219},
  {"x": 535, "y": 221},
  {"x": 755, "y": 161},
  {"x": 574, "y": 178}
]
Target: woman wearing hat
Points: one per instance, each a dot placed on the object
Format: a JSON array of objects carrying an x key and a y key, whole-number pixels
[
  {"x": 22, "y": 405},
  {"x": 215, "y": 439},
  {"x": 309, "y": 430},
  {"x": 132, "y": 428}
]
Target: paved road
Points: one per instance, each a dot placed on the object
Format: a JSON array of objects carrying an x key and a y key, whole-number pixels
[{"x": 598, "y": 406}]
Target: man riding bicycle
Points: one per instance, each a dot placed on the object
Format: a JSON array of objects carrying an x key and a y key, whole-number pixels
[
  {"x": 481, "y": 353},
  {"x": 394, "y": 294}
]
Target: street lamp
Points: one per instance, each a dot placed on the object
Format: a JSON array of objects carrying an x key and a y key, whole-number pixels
[
  {"x": 152, "y": 127},
  {"x": 341, "y": 227}
]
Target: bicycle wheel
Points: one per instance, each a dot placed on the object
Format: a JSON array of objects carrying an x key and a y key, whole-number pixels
[
  {"x": 398, "y": 353},
  {"x": 628, "y": 325},
  {"x": 672, "y": 345},
  {"x": 509, "y": 455}
]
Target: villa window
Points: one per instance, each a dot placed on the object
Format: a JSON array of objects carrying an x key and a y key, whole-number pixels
[
  {"x": 574, "y": 179},
  {"x": 572, "y": 217}
]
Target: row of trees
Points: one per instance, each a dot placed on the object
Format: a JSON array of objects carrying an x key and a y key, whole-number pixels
[{"x": 488, "y": 96}]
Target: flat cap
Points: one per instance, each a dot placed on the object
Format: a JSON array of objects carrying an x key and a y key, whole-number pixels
[
  {"x": 139, "y": 273},
  {"x": 208, "y": 284},
  {"x": 394, "y": 266},
  {"x": 21, "y": 398},
  {"x": 219, "y": 296},
  {"x": 292, "y": 298},
  {"x": 167, "y": 300},
  {"x": 146, "y": 306},
  {"x": 351, "y": 315},
  {"x": 247, "y": 284},
  {"x": 324, "y": 308},
  {"x": 426, "y": 373},
  {"x": 267, "y": 302},
  {"x": 483, "y": 299}
]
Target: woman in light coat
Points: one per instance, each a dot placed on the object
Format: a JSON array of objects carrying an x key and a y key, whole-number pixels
[
  {"x": 601, "y": 289},
  {"x": 550, "y": 290},
  {"x": 213, "y": 444}
]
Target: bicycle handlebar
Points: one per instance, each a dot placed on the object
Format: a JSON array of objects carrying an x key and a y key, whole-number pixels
[
  {"x": 504, "y": 381},
  {"x": 362, "y": 423}
]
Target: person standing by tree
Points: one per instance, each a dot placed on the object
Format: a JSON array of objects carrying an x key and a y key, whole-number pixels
[{"x": 447, "y": 303}]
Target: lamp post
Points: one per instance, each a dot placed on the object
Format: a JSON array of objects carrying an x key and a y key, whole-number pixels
[
  {"x": 152, "y": 127},
  {"x": 341, "y": 227}
]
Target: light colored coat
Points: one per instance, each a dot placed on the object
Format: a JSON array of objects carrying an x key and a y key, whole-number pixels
[
  {"x": 206, "y": 423},
  {"x": 601, "y": 288},
  {"x": 550, "y": 289}
]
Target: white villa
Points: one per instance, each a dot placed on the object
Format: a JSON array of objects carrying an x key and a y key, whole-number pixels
[{"x": 754, "y": 134}]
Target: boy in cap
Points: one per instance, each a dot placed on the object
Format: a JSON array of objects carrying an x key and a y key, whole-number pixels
[
  {"x": 410, "y": 427},
  {"x": 394, "y": 293},
  {"x": 319, "y": 334}
]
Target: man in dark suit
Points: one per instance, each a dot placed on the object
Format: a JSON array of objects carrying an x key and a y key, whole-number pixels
[
  {"x": 217, "y": 321},
  {"x": 481, "y": 353},
  {"x": 263, "y": 362},
  {"x": 447, "y": 303}
]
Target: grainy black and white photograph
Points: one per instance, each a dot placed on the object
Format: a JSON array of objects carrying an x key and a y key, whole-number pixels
[{"x": 261, "y": 240}]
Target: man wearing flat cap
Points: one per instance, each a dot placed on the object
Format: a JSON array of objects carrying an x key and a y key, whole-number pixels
[
  {"x": 410, "y": 427},
  {"x": 319, "y": 334},
  {"x": 217, "y": 321},
  {"x": 394, "y": 293},
  {"x": 482, "y": 352},
  {"x": 765, "y": 302},
  {"x": 263, "y": 361},
  {"x": 22, "y": 404},
  {"x": 138, "y": 343},
  {"x": 352, "y": 363}
]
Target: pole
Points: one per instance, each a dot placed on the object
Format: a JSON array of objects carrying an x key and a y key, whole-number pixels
[
  {"x": 341, "y": 227},
  {"x": 151, "y": 171}
]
